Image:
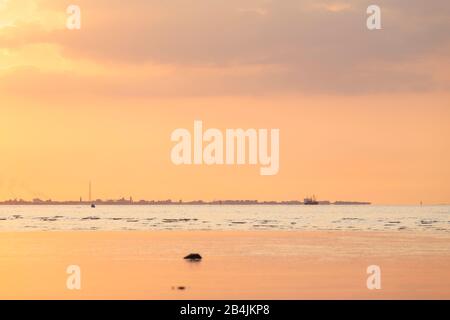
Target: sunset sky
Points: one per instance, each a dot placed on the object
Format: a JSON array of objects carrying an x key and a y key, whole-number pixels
[{"x": 363, "y": 115}]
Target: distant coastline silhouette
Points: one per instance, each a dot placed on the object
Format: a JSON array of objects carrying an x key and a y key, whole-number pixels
[{"x": 123, "y": 201}]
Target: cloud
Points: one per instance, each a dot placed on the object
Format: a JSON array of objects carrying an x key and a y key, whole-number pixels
[
  {"x": 333, "y": 6},
  {"x": 257, "y": 11},
  {"x": 302, "y": 46}
]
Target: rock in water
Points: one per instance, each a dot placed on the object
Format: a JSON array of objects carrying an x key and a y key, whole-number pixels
[{"x": 193, "y": 257}]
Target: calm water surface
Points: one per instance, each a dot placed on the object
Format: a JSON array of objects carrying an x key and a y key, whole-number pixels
[{"x": 107, "y": 218}]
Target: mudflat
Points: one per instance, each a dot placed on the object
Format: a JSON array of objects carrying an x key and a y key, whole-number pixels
[{"x": 234, "y": 265}]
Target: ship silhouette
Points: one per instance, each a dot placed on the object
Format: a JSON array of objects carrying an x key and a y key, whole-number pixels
[
  {"x": 90, "y": 195},
  {"x": 310, "y": 201}
]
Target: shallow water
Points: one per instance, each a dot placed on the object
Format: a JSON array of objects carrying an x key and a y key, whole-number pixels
[{"x": 434, "y": 219}]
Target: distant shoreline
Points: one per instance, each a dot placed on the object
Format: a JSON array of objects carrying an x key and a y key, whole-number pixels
[{"x": 123, "y": 202}]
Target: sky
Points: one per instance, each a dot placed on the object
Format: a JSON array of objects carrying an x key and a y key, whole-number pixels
[{"x": 363, "y": 115}]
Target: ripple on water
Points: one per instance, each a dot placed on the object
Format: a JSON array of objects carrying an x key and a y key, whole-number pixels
[
  {"x": 178, "y": 220},
  {"x": 352, "y": 219},
  {"x": 428, "y": 221},
  {"x": 49, "y": 219}
]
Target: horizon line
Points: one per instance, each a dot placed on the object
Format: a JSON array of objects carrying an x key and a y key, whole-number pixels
[{"x": 130, "y": 201}]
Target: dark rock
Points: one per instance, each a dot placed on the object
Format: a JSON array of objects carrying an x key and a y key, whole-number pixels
[{"x": 193, "y": 257}]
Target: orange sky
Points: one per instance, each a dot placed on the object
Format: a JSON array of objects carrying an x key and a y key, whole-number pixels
[{"x": 363, "y": 115}]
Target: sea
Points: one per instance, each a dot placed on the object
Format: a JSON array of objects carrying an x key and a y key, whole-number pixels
[{"x": 432, "y": 219}]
